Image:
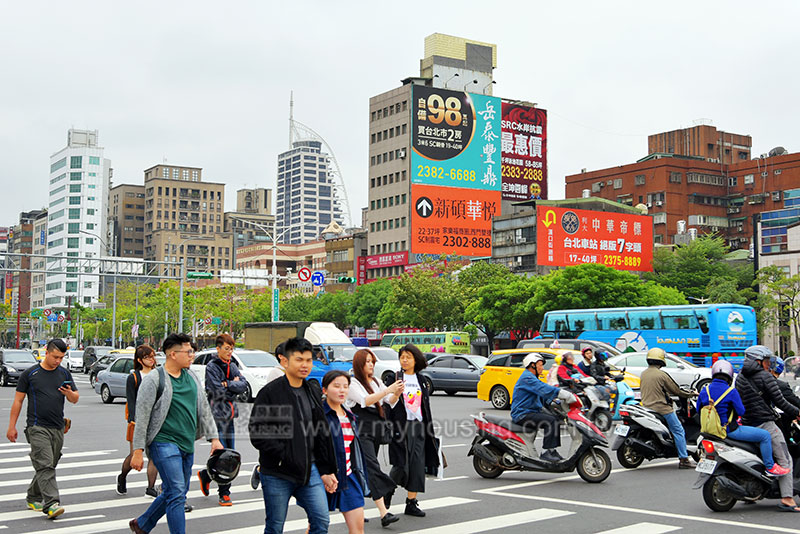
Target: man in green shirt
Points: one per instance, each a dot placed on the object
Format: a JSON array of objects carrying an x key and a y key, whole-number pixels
[{"x": 171, "y": 414}]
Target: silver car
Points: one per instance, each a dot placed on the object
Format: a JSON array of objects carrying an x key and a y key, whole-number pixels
[
  {"x": 111, "y": 382},
  {"x": 682, "y": 371}
]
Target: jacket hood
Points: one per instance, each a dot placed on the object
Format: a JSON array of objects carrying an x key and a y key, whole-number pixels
[{"x": 751, "y": 367}]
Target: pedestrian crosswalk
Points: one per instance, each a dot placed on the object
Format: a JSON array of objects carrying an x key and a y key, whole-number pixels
[{"x": 87, "y": 488}]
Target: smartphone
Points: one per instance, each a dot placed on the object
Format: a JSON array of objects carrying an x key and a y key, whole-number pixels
[
  {"x": 66, "y": 384},
  {"x": 398, "y": 375}
]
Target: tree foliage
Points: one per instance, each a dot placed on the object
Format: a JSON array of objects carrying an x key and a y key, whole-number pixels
[{"x": 780, "y": 300}]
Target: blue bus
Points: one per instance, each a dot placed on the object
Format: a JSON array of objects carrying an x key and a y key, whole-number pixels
[{"x": 700, "y": 333}]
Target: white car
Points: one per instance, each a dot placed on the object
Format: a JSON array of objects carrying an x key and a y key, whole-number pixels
[
  {"x": 73, "y": 360},
  {"x": 386, "y": 367},
  {"x": 253, "y": 364},
  {"x": 682, "y": 371}
]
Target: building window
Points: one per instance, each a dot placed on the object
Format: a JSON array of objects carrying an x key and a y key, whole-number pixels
[
  {"x": 675, "y": 177},
  {"x": 618, "y": 183},
  {"x": 71, "y": 287},
  {"x": 74, "y": 188},
  {"x": 60, "y": 164},
  {"x": 733, "y": 181},
  {"x": 74, "y": 213},
  {"x": 639, "y": 179},
  {"x": 75, "y": 162},
  {"x": 748, "y": 179},
  {"x": 73, "y": 242},
  {"x": 74, "y": 201},
  {"x": 94, "y": 160}
]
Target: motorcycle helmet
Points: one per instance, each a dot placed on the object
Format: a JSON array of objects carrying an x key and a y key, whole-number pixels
[
  {"x": 223, "y": 465},
  {"x": 722, "y": 367},
  {"x": 758, "y": 353},
  {"x": 776, "y": 365},
  {"x": 656, "y": 356},
  {"x": 531, "y": 359},
  {"x": 557, "y": 360},
  {"x": 600, "y": 356}
]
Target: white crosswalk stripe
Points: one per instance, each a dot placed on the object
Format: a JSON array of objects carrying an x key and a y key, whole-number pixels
[
  {"x": 83, "y": 454},
  {"x": 642, "y": 528},
  {"x": 493, "y": 523}
]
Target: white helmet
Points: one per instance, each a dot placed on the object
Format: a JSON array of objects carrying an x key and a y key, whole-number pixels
[{"x": 531, "y": 359}]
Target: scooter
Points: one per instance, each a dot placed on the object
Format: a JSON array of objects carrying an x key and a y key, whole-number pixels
[
  {"x": 644, "y": 434},
  {"x": 501, "y": 445},
  {"x": 601, "y": 409},
  {"x": 731, "y": 470},
  {"x": 625, "y": 396}
]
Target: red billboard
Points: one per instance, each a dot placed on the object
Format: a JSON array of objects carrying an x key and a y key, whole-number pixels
[
  {"x": 523, "y": 152},
  {"x": 387, "y": 260},
  {"x": 567, "y": 236},
  {"x": 361, "y": 275}
]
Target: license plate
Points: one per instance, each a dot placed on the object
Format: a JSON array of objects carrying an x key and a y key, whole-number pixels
[
  {"x": 622, "y": 430},
  {"x": 706, "y": 466}
]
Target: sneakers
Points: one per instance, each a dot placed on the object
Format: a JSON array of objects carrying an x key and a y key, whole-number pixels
[
  {"x": 122, "y": 485},
  {"x": 204, "y": 482},
  {"x": 225, "y": 500},
  {"x": 187, "y": 508},
  {"x": 151, "y": 492},
  {"x": 388, "y": 519},
  {"x": 686, "y": 463},
  {"x": 135, "y": 527},
  {"x": 35, "y": 506},
  {"x": 412, "y": 508},
  {"x": 777, "y": 471},
  {"x": 551, "y": 456},
  {"x": 53, "y": 511},
  {"x": 255, "y": 478}
]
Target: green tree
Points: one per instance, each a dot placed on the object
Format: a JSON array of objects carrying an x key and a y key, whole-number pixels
[
  {"x": 332, "y": 307},
  {"x": 480, "y": 274},
  {"x": 781, "y": 300},
  {"x": 427, "y": 298},
  {"x": 297, "y": 307},
  {"x": 502, "y": 306},
  {"x": 368, "y": 301}
]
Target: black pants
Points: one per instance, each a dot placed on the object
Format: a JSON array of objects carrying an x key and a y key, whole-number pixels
[
  {"x": 411, "y": 476},
  {"x": 546, "y": 422},
  {"x": 380, "y": 485}
]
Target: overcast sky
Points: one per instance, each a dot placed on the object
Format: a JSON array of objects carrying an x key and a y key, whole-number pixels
[{"x": 207, "y": 84}]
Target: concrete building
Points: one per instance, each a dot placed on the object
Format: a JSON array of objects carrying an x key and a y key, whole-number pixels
[
  {"x": 39, "y": 247},
  {"x": 126, "y": 220},
  {"x": 183, "y": 219},
  {"x": 80, "y": 179},
  {"x": 702, "y": 141},
  {"x": 708, "y": 196},
  {"x": 450, "y": 62},
  {"x": 346, "y": 257},
  {"x": 306, "y": 203},
  {"x": 514, "y": 234},
  {"x": 252, "y": 217},
  {"x": 20, "y": 241},
  {"x": 290, "y": 258}
]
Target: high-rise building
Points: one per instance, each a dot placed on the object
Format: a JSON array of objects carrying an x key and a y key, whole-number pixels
[
  {"x": 306, "y": 203},
  {"x": 80, "y": 178},
  {"x": 38, "y": 263},
  {"x": 183, "y": 218},
  {"x": 451, "y": 63},
  {"x": 126, "y": 220},
  {"x": 253, "y": 221},
  {"x": 21, "y": 242}
]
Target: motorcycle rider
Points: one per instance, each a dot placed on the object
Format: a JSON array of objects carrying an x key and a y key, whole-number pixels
[
  {"x": 776, "y": 367},
  {"x": 531, "y": 395},
  {"x": 568, "y": 372},
  {"x": 759, "y": 391},
  {"x": 657, "y": 387},
  {"x": 593, "y": 364},
  {"x": 729, "y": 407}
]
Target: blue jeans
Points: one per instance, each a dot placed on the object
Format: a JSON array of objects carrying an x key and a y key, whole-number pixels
[
  {"x": 311, "y": 498},
  {"x": 226, "y": 431},
  {"x": 755, "y": 434},
  {"x": 678, "y": 434},
  {"x": 175, "y": 468}
]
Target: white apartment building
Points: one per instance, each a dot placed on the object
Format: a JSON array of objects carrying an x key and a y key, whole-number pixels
[
  {"x": 80, "y": 179},
  {"x": 39, "y": 247}
]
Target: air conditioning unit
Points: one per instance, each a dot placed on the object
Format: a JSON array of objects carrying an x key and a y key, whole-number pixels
[
  {"x": 649, "y": 204},
  {"x": 659, "y": 203},
  {"x": 740, "y": 228},
  {"x": 402, "y": 154},
  {"x": 777, "y": 172},
  {"x": 602, "y": 184},
  {"x": 764, "y": 174}
]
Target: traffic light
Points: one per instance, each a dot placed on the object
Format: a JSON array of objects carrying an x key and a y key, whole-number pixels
[{"x": 347, "y": 280}]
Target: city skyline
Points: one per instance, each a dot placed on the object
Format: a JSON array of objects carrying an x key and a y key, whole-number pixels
[{"x": 216, "y": 96}]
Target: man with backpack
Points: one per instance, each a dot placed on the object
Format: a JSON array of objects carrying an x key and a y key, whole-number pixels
[
  {"x": 720, "y": 406},
  {"x": 760, "y": 392},
  {"x": 171, "y": 414}
]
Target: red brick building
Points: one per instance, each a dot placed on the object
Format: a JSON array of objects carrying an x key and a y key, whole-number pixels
[{"x": 694, "y": 187}]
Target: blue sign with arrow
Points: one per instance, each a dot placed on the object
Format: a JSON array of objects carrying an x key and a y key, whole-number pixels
[{"x": 318, "y": 278}]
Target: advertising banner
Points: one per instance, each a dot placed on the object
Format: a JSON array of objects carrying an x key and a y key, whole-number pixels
[
  {"x": 387, "y": 260},
  {"x": 524, "y": 152},
  {"x": 455, "y": 139},
  {"x": 361, "y": 275},
  {"x": 452, "y": 220},
  {"x": 570, "y": 237}
]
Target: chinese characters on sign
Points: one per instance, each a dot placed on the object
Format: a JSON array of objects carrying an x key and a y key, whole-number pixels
[
  {"x": 361, "y": 275},
  {"x": 387, "y": 260},
  {"x": 571, "y": 237},
  {"x": 524, "y": 152},
  {"x": 458, "y": 222}
]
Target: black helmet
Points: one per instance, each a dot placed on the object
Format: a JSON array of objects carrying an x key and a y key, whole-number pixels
[{"x": 223, "y": 465}]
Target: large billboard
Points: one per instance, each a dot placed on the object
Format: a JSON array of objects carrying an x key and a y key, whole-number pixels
[
  {"x": 524, "y": 152},
  {"x": 567, "y": 236}
]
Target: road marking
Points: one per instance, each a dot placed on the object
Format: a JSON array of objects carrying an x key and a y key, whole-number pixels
[
  {"x": 86, "y": 476},
  {"x": 496, "y": 522},
  {"x": 84, "y": 454},
  {"x": 74, "y": 465},
  {"x": 62, "y": 519},
  {"x": 4, "y": 445},
  {"x": 658, "y": 513},
  {"x": 337, "y": 519},
  {"x": 642, "y": 528},
  {"x": 455, "y": 445},
  {"x": 447, "y": 479},
  {"x": 23, "y": 448}
]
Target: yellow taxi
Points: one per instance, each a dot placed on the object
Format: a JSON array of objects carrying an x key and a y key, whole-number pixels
[
  {"x": 501, "y": 372},
  {"x": 38, "y": 353}
]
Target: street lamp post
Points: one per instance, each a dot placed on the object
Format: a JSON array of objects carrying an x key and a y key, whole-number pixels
[
  {"x": 183, "y": 275},
  {"x": 120, "y": 331}
]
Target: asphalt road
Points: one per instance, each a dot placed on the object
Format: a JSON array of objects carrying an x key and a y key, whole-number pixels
[{"x": 653, "y": 499}]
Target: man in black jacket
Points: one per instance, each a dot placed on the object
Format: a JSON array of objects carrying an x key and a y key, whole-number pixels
[
  {"x": 296, "y": 456},
  {"x": 760, "y": 392}
]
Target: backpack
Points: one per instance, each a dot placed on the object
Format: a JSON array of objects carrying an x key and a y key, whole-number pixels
[
  {"x": 709, "y": 418},
  {"x": 136, "y": 382},
  {"x": 159, "y": 390}
]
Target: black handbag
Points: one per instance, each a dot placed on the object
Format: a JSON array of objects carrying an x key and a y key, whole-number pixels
[{"x": 372, "y": 425}]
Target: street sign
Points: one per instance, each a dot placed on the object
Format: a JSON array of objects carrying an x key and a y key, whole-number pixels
[
  {"x": 52, "y": 318},
  {"x": 36, "y": 313},
  {"x": 424, "y": 207},
  {"x": 304, "y": 274},
  {"x": 61, "y": 319},
  {"x": 207, "y": 320},
  {"x": 47, "y": 312},
  {"x": 195, "y": 275},
  {"x": 276, "y": 306},
  {"x": 216, "y": 320},
  {"x": 318, "y": 279}
]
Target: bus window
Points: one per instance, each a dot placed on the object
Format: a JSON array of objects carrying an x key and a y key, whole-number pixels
[
  {"x": 612, "y": 320},
  {"x": 426, "y": 340},
  {"x": 702, "y": 320},
  {"x": 579, "y": 322},
  {"x": 644, "y": 320},
  {"x": 679, "y": 320},
  {"x": 556, "y": 322},
  {"x": 388, "y": 340},
  {"x": 440, "y": 339}
]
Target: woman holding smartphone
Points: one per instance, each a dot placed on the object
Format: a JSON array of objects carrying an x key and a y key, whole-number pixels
[
  {"x": 144, "y": 361},
  {"x": 369, "y": 399},
  {"x": 414, "y": 450}
]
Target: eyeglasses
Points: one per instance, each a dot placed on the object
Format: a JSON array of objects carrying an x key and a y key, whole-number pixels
[{"x": 188, "y": 351}]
